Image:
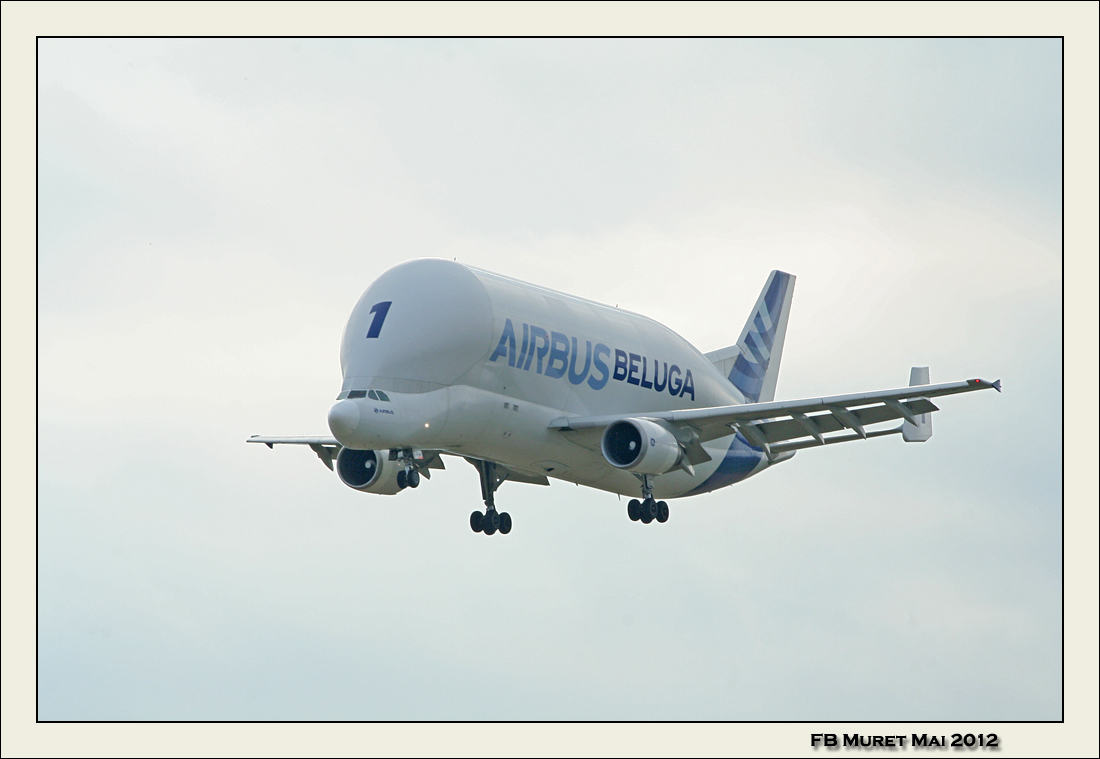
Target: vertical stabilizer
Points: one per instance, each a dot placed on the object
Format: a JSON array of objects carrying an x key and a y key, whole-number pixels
[
  {"x": 752, "y": 365},
  {"x": 922, "y": 430}
]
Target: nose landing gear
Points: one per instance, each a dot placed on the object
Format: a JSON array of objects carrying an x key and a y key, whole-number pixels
[{"x": 409, "y": 476}]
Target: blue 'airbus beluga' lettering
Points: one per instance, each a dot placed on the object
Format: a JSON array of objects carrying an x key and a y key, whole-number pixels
[
  {"x": 565, "y": 351},
  {"x": 528, "y": 384}
]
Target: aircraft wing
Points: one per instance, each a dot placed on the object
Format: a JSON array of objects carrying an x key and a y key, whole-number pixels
[
  {"x": 770, "y": 425},
  {"x": 310, "y": 441},
  {"x": 327, "y": 448}
]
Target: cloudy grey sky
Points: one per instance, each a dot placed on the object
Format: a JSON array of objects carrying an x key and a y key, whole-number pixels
[{"x": 210, "y": 210}]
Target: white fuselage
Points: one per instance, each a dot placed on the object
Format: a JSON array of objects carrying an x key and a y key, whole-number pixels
[{"x": 477, "y": 364}]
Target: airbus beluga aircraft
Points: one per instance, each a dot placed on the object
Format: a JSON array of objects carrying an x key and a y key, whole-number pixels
[{"x": 526, "y": 383}]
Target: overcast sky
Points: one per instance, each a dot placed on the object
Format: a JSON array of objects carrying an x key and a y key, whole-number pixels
[{"x": 210, "y": 210}]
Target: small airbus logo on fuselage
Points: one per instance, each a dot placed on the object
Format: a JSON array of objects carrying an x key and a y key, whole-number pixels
[{"x": 562, "y": 354}]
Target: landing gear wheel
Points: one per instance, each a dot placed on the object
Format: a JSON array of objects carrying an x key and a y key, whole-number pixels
[
  {"x": 662, "y": 512},
  {"x": 505, "y": 523},
  {"x": 490, "y": 523},
  {"x": 633, "y": 510},
  {"x": 402, "y": 480},
  {"x": 649, "y": 510},
  {"x": 412, "y": 479},
  {"x": 476, "y": 519}
]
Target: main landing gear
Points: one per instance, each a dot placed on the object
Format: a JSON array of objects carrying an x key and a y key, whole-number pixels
[
  {"x": 647, "y": 509},
  {"x": 490, "y": 521}
]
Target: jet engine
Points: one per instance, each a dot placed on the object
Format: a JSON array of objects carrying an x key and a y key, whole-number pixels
[
  {"x": 639, "y": 445},
  {"x": 368, "y": 471}
]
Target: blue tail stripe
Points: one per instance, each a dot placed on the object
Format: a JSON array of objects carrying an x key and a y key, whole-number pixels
[
  {"x": 738, "y": 463},
  {"x": 767, "y": 335},
  {"x": 748, "y": 371},
  {"x": 747, "y": 368},
  {"x": 749, "y": 386},
  {"x": 750, "y": 343},
  {"x": 774, "y": 297}
]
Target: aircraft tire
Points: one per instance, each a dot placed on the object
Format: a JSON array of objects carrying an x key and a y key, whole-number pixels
[
  {"x": 476, "y": 519},
  {"x": 402, "y": 480},
  {"x": 505, "y": 523},
  {"x": 647, "y": 513},
  {"x": 633, "y": 510},
  {"x": 490, "y": 523},
  {"x": 662, "y": 512},
  {"x": 413, "y": 478}
]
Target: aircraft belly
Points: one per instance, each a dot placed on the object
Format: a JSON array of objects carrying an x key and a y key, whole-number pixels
[
  {"x": 471, "y": 422},
  {"x": 733, "y": 459},
  {"x": 514, "y": 433}
]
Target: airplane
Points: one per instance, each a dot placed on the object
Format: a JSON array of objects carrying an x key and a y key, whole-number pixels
[{"x": 526, "y": 383}]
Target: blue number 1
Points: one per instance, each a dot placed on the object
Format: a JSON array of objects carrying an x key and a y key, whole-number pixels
[{"x": 379, "y": 310}]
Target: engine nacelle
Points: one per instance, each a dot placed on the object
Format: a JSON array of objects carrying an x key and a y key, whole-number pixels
[
  {"x": 368, "y": 471},
  {"x": 639, "y": 445}
]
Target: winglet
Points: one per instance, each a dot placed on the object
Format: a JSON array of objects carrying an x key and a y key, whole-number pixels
[{"x": 981, "y": 384}]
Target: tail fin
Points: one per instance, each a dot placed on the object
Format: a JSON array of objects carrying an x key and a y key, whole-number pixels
[
  {"x": 752, "y": 365},
  {"x": 922, "y": 430}
]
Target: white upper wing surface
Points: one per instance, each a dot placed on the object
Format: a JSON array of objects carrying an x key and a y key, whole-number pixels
[
  {"x": 328, "y": 447},
  {"x": 769, "y": 425}
]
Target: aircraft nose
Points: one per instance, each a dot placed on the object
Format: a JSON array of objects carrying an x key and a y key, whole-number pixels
[{"x": 343, "y": 418}]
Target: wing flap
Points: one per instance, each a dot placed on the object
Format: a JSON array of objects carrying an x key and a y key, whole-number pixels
[
  {"x": 792, "y": 427},
  {"x": 799, "y": 444}
]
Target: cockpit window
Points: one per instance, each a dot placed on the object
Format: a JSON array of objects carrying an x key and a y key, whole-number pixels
[{"x": 374, "y": 395}]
